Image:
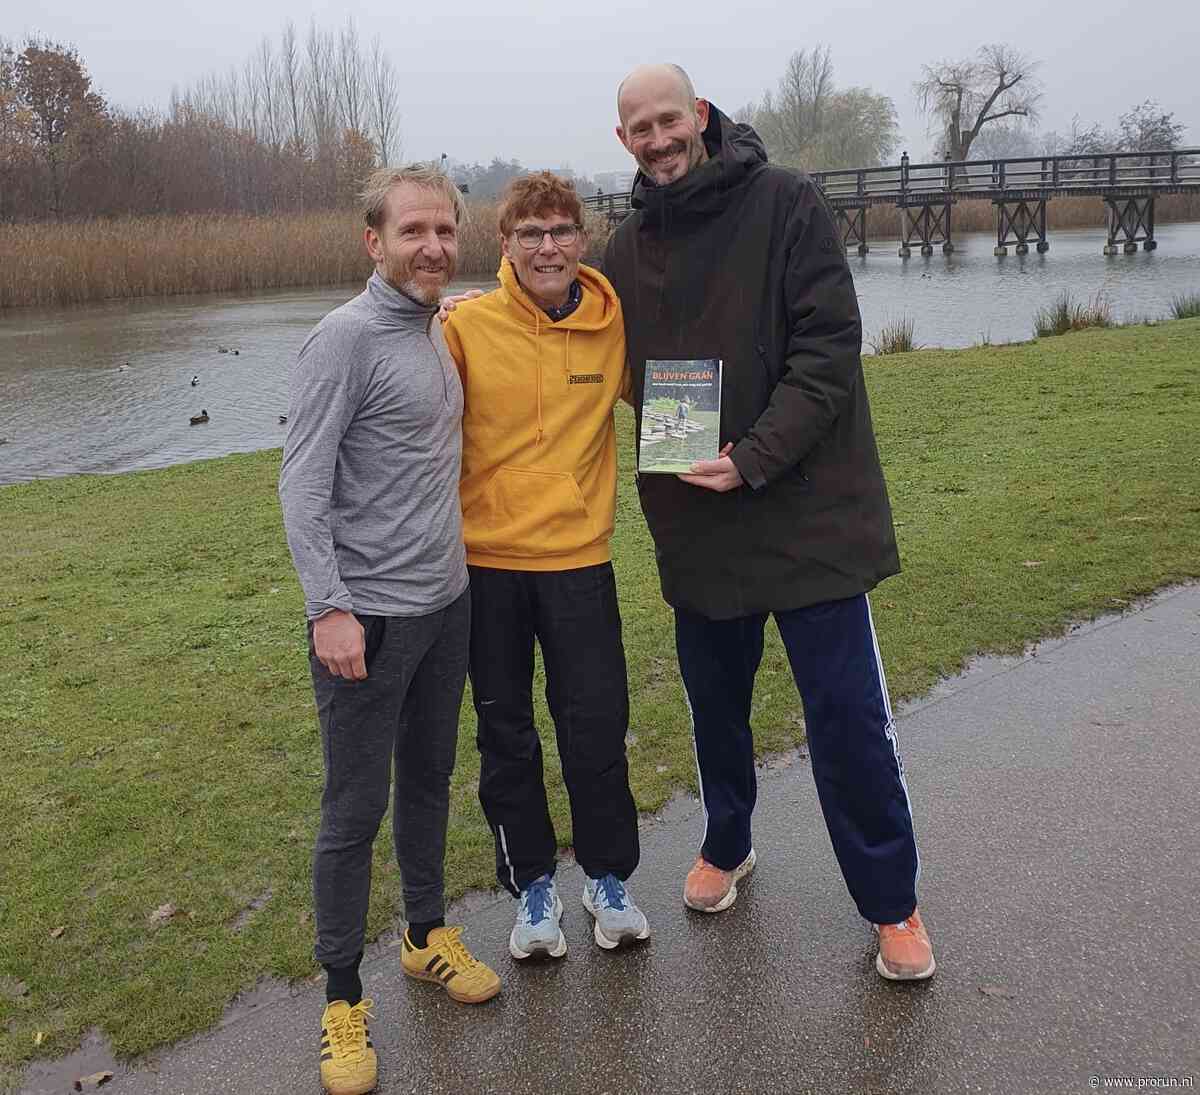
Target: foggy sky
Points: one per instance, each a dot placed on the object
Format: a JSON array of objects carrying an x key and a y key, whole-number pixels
[{"x": 536, "y": 82}]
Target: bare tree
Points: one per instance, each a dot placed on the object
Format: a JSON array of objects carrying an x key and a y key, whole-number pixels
[
  {"x": 266, "y": 73},
  {"x": 789, "y": 119},
  {"x": 806, "y": 122},
  {"x": 859, "y": 129},
  {"x": 291, "y": 80},
  {"x": 320, "y": 91},
  {"x": 1148, "y": 128},
  {"x": 383, "y": 93},
  {"x": 15, "y": 127},
  {"x": 351, "y": 92},
  {"x": 234, "y": 104},
  {"x": 1081, "y": 141},
  {"x": 963, "y": 96},
  {"x": 293, "y": 127},
  {"x": 820, "y": 87},
  {"x": 252, "y": 90},
  {"x": 1005, "y": 142}
]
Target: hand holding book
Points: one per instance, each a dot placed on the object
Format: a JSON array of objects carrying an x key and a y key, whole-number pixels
[{"x": 719, "y": 475}]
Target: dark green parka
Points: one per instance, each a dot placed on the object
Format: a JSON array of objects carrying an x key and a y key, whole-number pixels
[{"x": 741, "y": 260}]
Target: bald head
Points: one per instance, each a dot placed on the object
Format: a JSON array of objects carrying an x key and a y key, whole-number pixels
[
  {"x": 663, "y": 79},
  {"x": 662, "y": 122}
]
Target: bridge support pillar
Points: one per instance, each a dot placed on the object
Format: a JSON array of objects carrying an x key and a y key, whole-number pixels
[
  {"x": 852, "y": 219},
  {"x": 1019, "y": 221},
  {"x": 926, "y": 223},
  {"x": 1130, "y": 222}
]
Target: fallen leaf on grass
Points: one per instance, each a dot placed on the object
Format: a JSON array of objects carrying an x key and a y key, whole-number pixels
[
  {"x": 96, "y": 1079},
  {"x": 1031, "y": 563},
  {"x": 163, "y": 913},
  {"x": 996, "y": 991},
  {"x": 39, "y": 1037},
  {"x": 58, "y": 932}
]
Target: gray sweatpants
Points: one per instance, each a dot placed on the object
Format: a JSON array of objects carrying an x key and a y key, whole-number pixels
[{"x": 406, "y": 713}]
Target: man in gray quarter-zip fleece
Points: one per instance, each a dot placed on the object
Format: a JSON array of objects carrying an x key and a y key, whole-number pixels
[{"x": 369, "y": 488}]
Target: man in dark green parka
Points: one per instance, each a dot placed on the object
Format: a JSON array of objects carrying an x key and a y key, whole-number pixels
[{"x": 729, "y": 257}]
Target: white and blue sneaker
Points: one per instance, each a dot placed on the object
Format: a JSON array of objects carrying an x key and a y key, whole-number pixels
[
  {"x": 537, "y": 930},
  {"x": 618, "y": 920}
]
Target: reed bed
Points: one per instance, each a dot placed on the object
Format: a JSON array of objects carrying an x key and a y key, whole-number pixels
[
  {"x": 895, "y": 337},
  {"x": 1185, "y": 306},
  {"x": 74, "y": 263},
  {"x": 1065, "y": 314}
]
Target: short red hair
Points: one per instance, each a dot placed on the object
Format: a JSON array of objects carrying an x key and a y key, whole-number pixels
[{"x": 536, "y": 196}]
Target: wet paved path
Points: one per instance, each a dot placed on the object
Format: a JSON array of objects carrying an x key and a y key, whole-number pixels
[{"x": 1057, "y": 799}]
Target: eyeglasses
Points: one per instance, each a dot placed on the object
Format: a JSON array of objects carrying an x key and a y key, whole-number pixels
[{"x": 531, "y": 238}]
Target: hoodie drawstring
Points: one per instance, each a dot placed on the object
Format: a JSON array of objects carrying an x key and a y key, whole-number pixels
[{"x": 537, "y": 338}]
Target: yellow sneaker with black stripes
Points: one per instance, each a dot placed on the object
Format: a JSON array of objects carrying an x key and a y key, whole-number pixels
[
  {"x": 348, "y": 1063},
  {"x": 446, "y": 960}
]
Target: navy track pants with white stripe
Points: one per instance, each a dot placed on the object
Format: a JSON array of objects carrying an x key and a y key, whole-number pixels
[{"x": 851, "y": 740}]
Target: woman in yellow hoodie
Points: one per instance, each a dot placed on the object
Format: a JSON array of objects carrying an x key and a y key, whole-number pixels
[{"x": 542, "y": 361}]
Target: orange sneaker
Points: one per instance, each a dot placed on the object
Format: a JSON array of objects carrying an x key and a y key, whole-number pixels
[
  {"x": 905, "y": 953},
  {"x": 710, "y": 889}
]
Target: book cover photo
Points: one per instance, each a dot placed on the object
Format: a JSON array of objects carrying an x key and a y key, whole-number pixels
[{"x": 681, "y": 415}]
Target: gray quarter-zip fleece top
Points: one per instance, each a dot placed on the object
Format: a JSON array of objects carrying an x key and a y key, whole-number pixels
[{"x": 369, "y": 483}]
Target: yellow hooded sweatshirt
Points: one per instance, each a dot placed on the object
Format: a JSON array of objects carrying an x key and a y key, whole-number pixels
[{"x": 539, "y": 468}]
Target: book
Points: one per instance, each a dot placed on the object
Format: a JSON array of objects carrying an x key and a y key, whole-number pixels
[{"x": 681, "y": 415}]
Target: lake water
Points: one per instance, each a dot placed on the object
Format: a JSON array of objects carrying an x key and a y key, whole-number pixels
[{"x": 107, "y": 388}]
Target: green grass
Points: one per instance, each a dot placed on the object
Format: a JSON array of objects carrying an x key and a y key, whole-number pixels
[{"x": 160, "y": 740}]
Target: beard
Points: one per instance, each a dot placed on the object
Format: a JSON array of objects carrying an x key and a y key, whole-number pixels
[
  {"x": 692, "y": 151},
  {"x": 428, "y": 295},
  {"x": 422, "y": 290}
]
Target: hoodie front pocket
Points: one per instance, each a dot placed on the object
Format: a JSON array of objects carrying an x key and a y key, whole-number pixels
[{"x": 526, "y": 514}]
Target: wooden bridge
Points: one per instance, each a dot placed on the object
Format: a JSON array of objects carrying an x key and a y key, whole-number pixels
[{"x": 1020, "y": 188}]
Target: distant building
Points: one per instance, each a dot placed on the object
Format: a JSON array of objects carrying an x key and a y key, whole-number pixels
[
  {"x": 562, "y": 172},
  {"x": 614, "y": 182}
]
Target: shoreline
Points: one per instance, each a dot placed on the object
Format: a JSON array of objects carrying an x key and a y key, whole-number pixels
[{"x": 885, "y": 358}]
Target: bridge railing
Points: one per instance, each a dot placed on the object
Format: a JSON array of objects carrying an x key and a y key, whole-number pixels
[
  {"x": 1113, "y": 170},
  {"x": 612, "y": 204}
]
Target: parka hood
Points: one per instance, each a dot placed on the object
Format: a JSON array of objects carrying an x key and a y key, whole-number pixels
[{"x": 597, "y": 309}]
